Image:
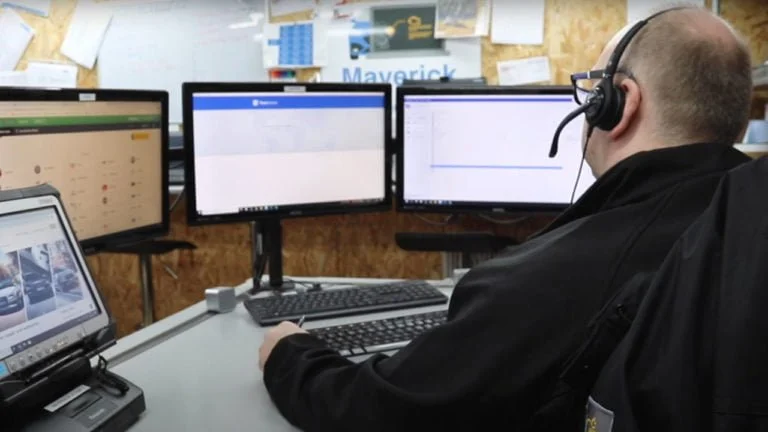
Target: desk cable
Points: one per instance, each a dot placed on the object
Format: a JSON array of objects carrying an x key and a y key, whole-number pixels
[{"x": 109, "y": 381}]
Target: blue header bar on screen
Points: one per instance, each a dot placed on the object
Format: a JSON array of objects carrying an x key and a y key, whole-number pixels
[
  {"x": 490, "y": 99},
  {"x": 307, "y": 101}
]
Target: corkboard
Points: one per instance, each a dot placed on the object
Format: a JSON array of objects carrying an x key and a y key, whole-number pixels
[{"x": 358, "y": 245}]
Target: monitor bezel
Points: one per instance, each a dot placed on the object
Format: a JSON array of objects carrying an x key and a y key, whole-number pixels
[
  {"x": 93, "y": 325},
  {"x": 189, "y": 89},
  {"x": 120, "y": 238},
  {"x": 468, "y": 206}
]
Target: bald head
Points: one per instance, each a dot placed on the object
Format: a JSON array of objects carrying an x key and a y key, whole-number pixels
[{"x": 695, "y": 72}]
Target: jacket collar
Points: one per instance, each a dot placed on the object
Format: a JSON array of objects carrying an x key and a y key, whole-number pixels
[{"x": 645, "y": 174}]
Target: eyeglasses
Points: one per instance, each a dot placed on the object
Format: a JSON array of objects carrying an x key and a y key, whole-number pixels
[{"x": 584, "y": 83}]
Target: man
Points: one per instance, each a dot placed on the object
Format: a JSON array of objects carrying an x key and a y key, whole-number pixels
[{"x": 513, "y": 321}]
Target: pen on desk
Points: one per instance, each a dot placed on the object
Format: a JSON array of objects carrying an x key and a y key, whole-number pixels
[{"x": 301, "y": 321}]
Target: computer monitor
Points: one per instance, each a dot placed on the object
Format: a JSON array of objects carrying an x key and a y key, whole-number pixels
[
  {"x": 49, "y": 303},
  {"x": 105, "y": 151},
  {"x": 446, "y": 82},
  {"x": 268, "y": 151},
  {"x": 442, "y": 82},
  {"x": 487, "y": 150}
]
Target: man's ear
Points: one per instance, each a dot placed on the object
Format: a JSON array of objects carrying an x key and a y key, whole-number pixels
[{"x": 632, "y": 99}]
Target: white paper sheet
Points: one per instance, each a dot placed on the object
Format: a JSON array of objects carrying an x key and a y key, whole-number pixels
[
  {"x": 639, "y": 9},
  {"x": 86, "y": 32},
  {"x": 13, "y": 79},
  {"x": 524, "y": 71},
  {"x": 37, "y": 7},
  {"x": 483, "y": 25},
  {"x": 15, "y": 36},
  {"x": 51, "y": 75},
  {"x": 287, "y": 7},
  {"x": 518, "y": 22}
]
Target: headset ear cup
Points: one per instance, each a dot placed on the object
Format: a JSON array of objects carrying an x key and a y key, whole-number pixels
[
  {"x": 608, "y": 109},
  {"x": 594, "y": 113},
  {"x": 615, "y": 111}
]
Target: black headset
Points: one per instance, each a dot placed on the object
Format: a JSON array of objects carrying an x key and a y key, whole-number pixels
[
  {"x": 605, "y": 104},
  {"x": 606, "y": 101}
]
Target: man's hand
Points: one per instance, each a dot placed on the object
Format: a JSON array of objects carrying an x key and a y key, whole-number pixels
[{"x": 273, "y": 336}]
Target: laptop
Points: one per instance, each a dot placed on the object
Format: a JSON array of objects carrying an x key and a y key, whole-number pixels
[{"x": 51, "y": 312}]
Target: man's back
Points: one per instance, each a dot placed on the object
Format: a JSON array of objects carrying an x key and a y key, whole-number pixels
[
  {"x": 695, "y": 356},
  {"x": 513, "y": 320}
]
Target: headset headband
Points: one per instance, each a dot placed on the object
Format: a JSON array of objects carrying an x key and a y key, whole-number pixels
[{"x": 618, "y": 52}]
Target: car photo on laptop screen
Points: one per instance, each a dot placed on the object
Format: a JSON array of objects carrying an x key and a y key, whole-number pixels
[
  {"x": 12, "y": 302},
  {"x": 66, "y": 282},
  {"x": 36, "y": 276}
]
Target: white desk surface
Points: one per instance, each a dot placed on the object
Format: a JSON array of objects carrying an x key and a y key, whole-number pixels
[{"x": 199, "y": 371}]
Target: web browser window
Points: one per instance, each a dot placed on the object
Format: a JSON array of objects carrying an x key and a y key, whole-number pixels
[
  {"x": 263, "y": 151},
  {"x": 104, "y": 157}
]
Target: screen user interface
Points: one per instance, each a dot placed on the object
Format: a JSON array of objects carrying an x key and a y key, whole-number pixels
[
  {"x": 490, "y": 149},
  {"x": 269, "y": 151},
  {"x": 42, "y": 288},
  {"x": 104, "y": 157}
]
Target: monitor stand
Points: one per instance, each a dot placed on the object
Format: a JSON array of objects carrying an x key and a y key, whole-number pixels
[
  {"x": 267, "y": 249},
  {"x": 145, "y": 250}
]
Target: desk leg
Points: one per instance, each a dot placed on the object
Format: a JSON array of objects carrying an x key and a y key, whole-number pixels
[{"x": 147, "y": 288}]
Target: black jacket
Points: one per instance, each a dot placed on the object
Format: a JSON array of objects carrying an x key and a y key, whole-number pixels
[
  {"x": 512, "y": 320},
  {"x": 696, "y": 355}
]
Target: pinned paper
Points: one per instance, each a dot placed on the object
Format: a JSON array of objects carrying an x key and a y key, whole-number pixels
[
  {"x": 36, "y": 7},
  {"x": 461, "y": 18},
  {"x": 15, "y": 36},
  {"x": 51, "y": 75},
  {"x": 302, "y": 44},
  {"x": 288, "y": 7},
  {"x": 518, "y": 22},
  {"x": 86, "y": 32},
  {"x": 525, "y": 71}
]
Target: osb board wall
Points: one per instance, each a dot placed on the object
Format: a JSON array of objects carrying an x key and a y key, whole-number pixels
[{"x": 358, "y": 245}]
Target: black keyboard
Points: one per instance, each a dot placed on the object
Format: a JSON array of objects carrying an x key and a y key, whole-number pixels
[
  {"x": 370, "y": 337},
  {"x": 340, "y": 302}
]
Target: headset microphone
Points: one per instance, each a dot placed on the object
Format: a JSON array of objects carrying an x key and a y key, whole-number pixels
[{"x": 569, "y": 118}]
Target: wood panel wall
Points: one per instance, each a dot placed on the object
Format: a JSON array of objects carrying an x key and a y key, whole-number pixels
[{"x": 359, "y": 245}]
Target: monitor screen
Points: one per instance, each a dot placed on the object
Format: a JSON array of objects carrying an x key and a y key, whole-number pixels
[
  {"x": 284, "y": 151},
  {"x": 46, "y": 299},
  {"x": 104, "y": 153},
  {"x": 487, "y": 150}
]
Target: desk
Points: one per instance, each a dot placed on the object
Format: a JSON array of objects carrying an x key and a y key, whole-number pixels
[{"x": 199, "y": 371}]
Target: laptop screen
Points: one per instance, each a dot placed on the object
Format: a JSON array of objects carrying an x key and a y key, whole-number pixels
[{"x": 43, "y": 290}]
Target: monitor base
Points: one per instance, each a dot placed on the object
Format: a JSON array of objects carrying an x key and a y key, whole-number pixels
[{"x": 287, "y": 285}]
